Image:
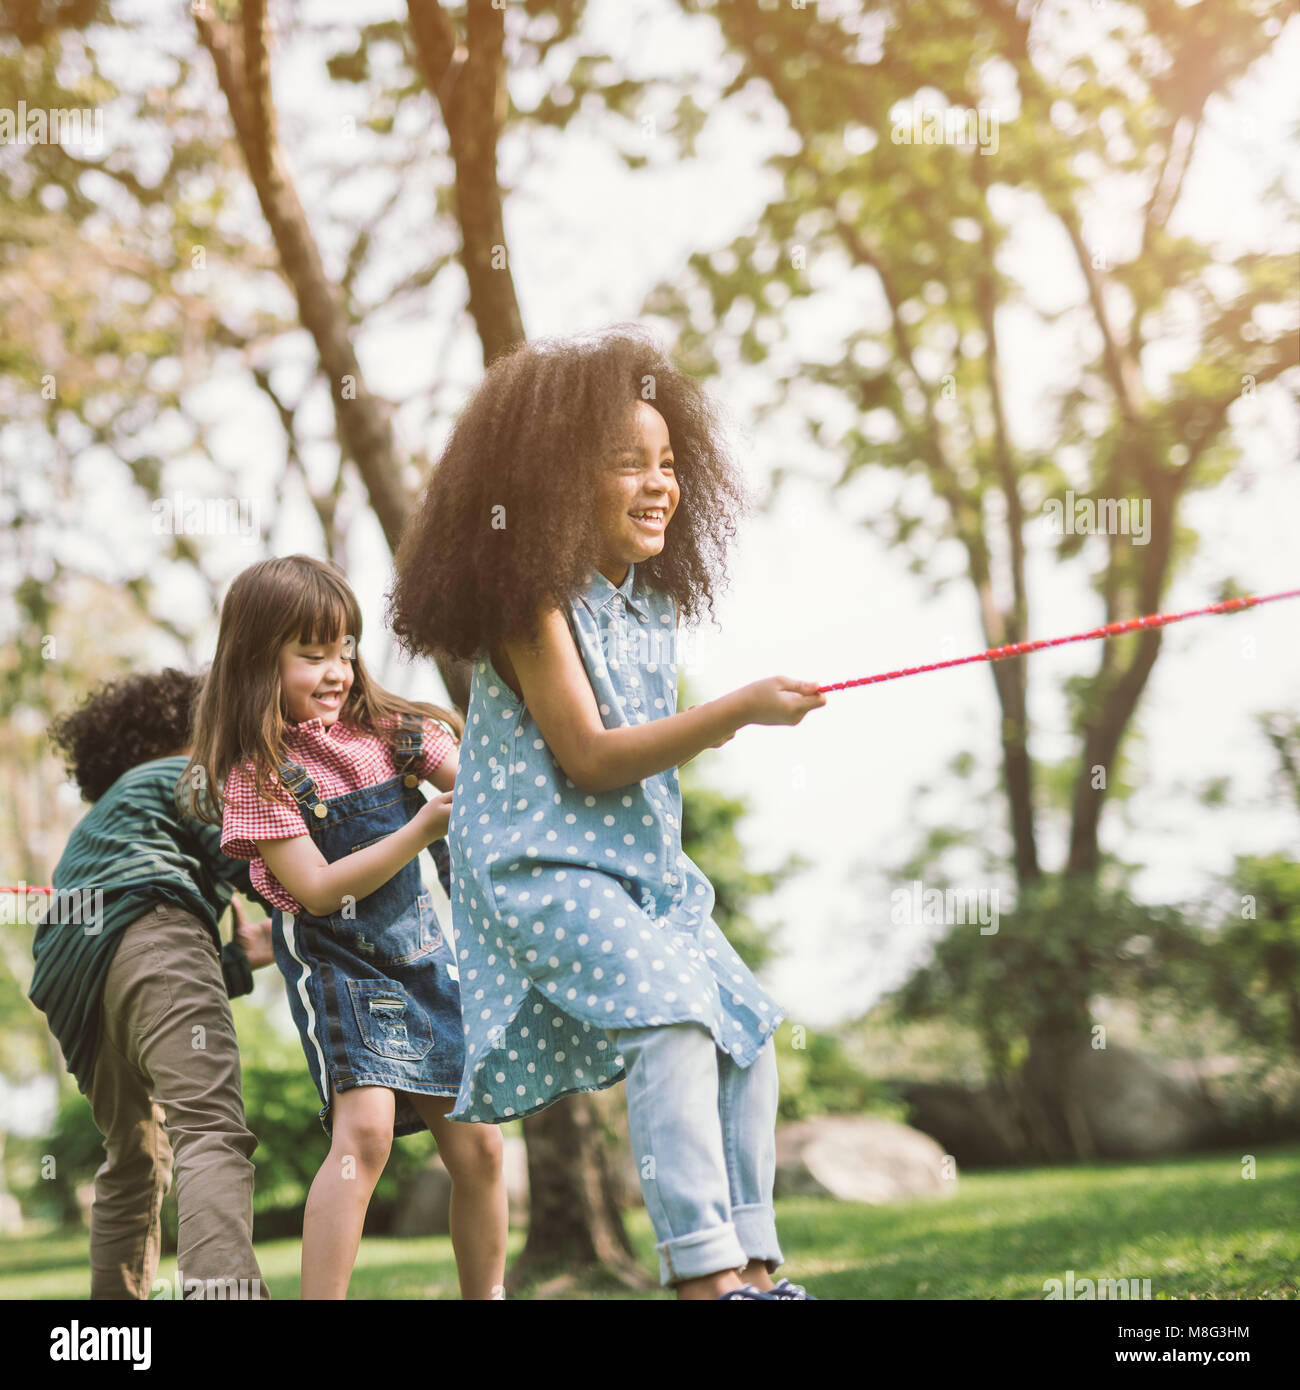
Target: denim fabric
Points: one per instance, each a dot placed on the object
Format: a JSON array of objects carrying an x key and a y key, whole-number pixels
[
  {"x": 577, "y": 913},
  {"x": 702, "y": 1132},
  {"x": 374, "y": 993}
]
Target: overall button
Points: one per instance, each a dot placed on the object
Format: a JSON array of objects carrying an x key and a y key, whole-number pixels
[
  {"x": 320, "y": 809},
  {"x": 410, "y": 780}
]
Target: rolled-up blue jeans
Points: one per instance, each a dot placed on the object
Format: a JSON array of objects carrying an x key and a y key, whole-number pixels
[{"x": 703, "y": 1134}]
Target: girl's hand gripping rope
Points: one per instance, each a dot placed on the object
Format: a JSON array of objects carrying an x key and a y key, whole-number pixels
[{"x": 779, "y": 700}]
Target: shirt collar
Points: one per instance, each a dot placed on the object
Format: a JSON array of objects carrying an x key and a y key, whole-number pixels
[
  {"x": 600, "y": 592},
  {"x": 312, "y": 728}
]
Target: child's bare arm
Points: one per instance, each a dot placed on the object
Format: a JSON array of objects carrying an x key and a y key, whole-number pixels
[
  {"x": 321, "y": 886},
  {"x": 677, "y": 617},
  {"x": 444, "y": 775},
  {"x": 554, "y": 685}
]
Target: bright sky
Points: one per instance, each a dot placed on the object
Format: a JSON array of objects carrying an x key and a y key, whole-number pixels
[{"x": 813, "y": 595}]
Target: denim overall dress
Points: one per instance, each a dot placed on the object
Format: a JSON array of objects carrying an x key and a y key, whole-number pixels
[{"x": 374, "y": 990}]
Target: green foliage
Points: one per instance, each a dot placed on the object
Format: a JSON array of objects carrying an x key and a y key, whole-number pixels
[
  {"x": 924, "y": 235},
  {"x": 1065, "y": 942},
  {"x": 709, "y": 837},
  {"x": 819, "y": 1076},
  {"x": 281, "y": 1107},
  {"x": 282, "y": 1111},
  {"x": 77, "y": 1149},
  {"x": 1256, "y": 976}
]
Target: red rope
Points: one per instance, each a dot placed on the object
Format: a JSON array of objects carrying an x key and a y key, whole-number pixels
[{"x": 1231, "y": 605}]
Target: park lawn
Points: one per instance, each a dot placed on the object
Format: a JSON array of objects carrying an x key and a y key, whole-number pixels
[{"x": 1195, "y": 1227}]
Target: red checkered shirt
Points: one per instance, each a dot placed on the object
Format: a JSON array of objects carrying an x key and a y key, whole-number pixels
[{"x": 339, "y": 759}]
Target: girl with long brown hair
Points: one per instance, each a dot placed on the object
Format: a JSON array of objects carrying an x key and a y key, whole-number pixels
[{"x": 317, "y": 768}]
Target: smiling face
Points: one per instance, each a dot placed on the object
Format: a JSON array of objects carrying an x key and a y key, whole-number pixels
[
  {"x": 315, "y": 678},
  {"x": 636, "y": 496}
]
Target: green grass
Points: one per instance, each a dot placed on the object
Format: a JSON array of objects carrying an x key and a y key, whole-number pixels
[{"x": 1194, "y": 1227}]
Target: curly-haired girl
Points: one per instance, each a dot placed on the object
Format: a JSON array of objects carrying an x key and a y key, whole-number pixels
[
  {"x": 583, "y": 502},
  {"x": 318, "y": 768}
]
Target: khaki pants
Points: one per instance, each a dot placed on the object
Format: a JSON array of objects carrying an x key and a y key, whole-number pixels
[{"x": 166, "y": 1081}]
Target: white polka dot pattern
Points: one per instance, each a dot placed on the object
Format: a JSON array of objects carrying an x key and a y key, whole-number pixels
[{"x": 577, "y": 913}]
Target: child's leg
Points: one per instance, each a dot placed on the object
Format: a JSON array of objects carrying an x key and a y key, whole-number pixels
[
  {"x": 125, "y": 1230},
  {"x": 341, "y": 1191},
  {"x": 191, "y": 1058},
  {"x": 480, "y": 1217},
  {"x": 676, "y": 1134},
  {"x": 747, "y": 1100}
]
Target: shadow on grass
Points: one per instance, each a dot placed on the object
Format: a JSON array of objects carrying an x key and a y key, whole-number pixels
[{"x": 1192, "y": 1227}]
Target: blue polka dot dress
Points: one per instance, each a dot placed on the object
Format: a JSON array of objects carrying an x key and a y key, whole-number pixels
[{"x": 575, "y": 913}]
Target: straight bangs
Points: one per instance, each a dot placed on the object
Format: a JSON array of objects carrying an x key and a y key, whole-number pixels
[{"x": 322, "y": 610}]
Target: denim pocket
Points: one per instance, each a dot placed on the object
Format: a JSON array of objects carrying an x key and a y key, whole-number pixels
[
  {"x": 411, "y": 932},
  {"x": 390, "y": 1022}
]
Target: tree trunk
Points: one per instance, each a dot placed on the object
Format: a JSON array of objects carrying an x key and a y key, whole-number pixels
[
  {"x": 574, "y": 1225},
  {"x": 574, "y": 1217},
  {"x": 365, "y": 434},
  {"x": 468, "y": 81}
]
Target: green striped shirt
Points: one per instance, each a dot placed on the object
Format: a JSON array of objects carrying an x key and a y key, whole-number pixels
[{"x": 137, "y": 848}]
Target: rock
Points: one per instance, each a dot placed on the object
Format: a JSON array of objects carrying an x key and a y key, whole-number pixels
[
  {"x": 1116, "y": 1103},
  {"x": 424, "y": 1205},
  {"x": 1135, "y": 1106},
  {"x": 859, "y": 1158}
]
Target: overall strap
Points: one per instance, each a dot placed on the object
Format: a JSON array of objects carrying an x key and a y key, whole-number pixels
[
  {"x": 410, "y": 742},
  {"x": 299, "y": 782}
]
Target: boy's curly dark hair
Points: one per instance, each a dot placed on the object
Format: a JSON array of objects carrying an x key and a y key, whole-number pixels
[
  {"x": 507, "y": 525},
  {"x": 123, "y": 724}
]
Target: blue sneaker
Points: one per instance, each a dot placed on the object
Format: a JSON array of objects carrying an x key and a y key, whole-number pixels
[
  {"x": 783, "y": 1288},
  {"x": 744, "y": 1291}
]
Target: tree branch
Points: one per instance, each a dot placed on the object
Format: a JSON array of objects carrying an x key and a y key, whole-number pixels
[
  {"x": 468, "y": 82},
  {"x": 243, "y": 72}
]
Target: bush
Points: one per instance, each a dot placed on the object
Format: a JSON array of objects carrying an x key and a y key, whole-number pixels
[{"x": 819, "y": 1077}]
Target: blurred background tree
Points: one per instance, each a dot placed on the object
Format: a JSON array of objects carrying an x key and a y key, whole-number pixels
[{"x": 923, "y": 232}]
